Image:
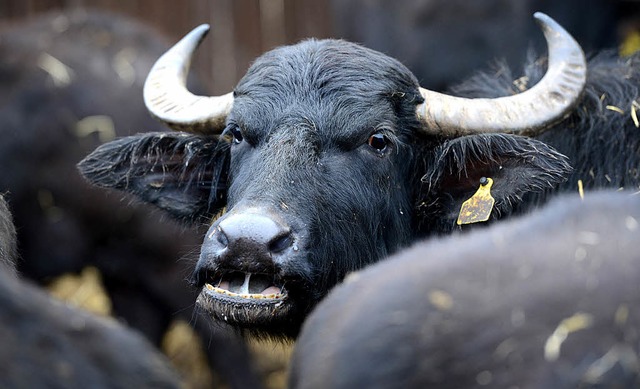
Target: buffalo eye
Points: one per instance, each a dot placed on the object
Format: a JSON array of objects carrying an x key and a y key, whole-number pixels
[
  {"x": 236, "y": 134},
  {"x": 378, "y": 142}
]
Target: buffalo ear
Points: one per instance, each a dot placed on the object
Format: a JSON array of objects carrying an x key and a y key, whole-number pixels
[
  {"x": 183, "y": 174},
  {"x": 518, "y": 165}
]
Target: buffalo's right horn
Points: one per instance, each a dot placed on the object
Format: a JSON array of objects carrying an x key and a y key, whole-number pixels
[
  {"x": 527, "y": 113},
  {"x": 167, "y": 98}
]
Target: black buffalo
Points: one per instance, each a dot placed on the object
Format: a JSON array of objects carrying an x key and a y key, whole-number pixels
[
  {"x": 545, "y": 301},
  {"x": 48, "y": 344},
  {"x": 328, "y": 156},
  {"x": 68, "y": 82}
]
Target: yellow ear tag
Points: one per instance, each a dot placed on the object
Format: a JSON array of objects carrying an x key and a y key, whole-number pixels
[{"x": 478, "y": 208}]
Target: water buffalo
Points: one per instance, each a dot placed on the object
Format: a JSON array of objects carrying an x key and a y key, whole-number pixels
[
  {"x": 545, "y": 301},
  {"x": 48, "y": 344},
  {"x": 329, "y": 156}
]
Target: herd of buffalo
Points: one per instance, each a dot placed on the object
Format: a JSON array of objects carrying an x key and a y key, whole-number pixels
[{"x": 398, "y": 236}]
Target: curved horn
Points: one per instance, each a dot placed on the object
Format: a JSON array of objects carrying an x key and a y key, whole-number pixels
[
  {"x": 527, "y": 113},
  {"x": 166, "y": 95}
]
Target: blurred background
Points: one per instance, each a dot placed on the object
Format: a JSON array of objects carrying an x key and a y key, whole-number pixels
[
  {"x": 71, "y": 74},
  {"x": 240, "y": 29},
  {"x": 429, "y": 36}
]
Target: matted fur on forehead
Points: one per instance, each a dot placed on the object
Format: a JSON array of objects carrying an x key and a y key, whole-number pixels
[{"x": 327, "y": 67}]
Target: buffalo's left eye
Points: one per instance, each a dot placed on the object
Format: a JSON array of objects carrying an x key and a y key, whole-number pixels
[
  {"x": 237, "y": 134},
  {"x": 378, "y": 142}
]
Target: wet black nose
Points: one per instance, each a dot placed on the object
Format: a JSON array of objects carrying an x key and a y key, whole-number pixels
[{"x": 252, "y": 235}]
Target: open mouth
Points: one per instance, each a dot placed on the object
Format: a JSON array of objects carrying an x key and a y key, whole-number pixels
[
  {"x": 247, "y": 286},
  {"x": 261, "y": 303}
]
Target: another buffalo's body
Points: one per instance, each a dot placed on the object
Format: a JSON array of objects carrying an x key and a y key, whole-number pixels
[
  {"x": 325, "y": 166},
  {"x": 545, "y": 301},
  {"x": 48, "y": 344}
]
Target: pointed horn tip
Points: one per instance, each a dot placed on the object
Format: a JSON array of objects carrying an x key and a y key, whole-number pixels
[
  {"x": 546, "y": 21},
  {"x": 195, "y": 36},
  {"x": 203, "y": 28},
  {"x": 541, "y": 16},
  {"x": 552, "y": 28},
  {"x": 201, "y": 31}
]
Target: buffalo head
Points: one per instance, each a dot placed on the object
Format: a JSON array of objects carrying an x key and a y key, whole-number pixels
[{"x": 326, "y": 157}]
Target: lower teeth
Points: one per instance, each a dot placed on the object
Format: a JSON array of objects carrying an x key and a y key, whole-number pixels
[{"x": 245, "y": 295}]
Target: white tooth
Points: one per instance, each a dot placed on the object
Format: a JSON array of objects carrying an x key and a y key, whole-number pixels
[{"x": 244, "y": 289}]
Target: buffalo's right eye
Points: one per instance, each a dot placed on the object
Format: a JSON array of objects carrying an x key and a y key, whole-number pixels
[
  {"x": 237, "y": 134},
  {"x": 378, "y": 142}
]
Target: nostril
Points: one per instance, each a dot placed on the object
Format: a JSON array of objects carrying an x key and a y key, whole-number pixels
[
  {"x": 251, "y": 234},
  {"x": 281, "y": 243}
]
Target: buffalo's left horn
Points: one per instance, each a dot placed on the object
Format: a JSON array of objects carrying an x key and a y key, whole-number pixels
[
  {"x": 167, "y": 98},
  {"x": 527, "y": 113}
]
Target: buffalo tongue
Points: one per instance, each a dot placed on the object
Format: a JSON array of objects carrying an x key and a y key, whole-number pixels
[
  {"x": 271, "y": 290},
  {"x": 247, "y": 283}
]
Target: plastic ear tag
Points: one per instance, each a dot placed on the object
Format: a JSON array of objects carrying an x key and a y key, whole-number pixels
[{"x": 478, "y": 208}]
